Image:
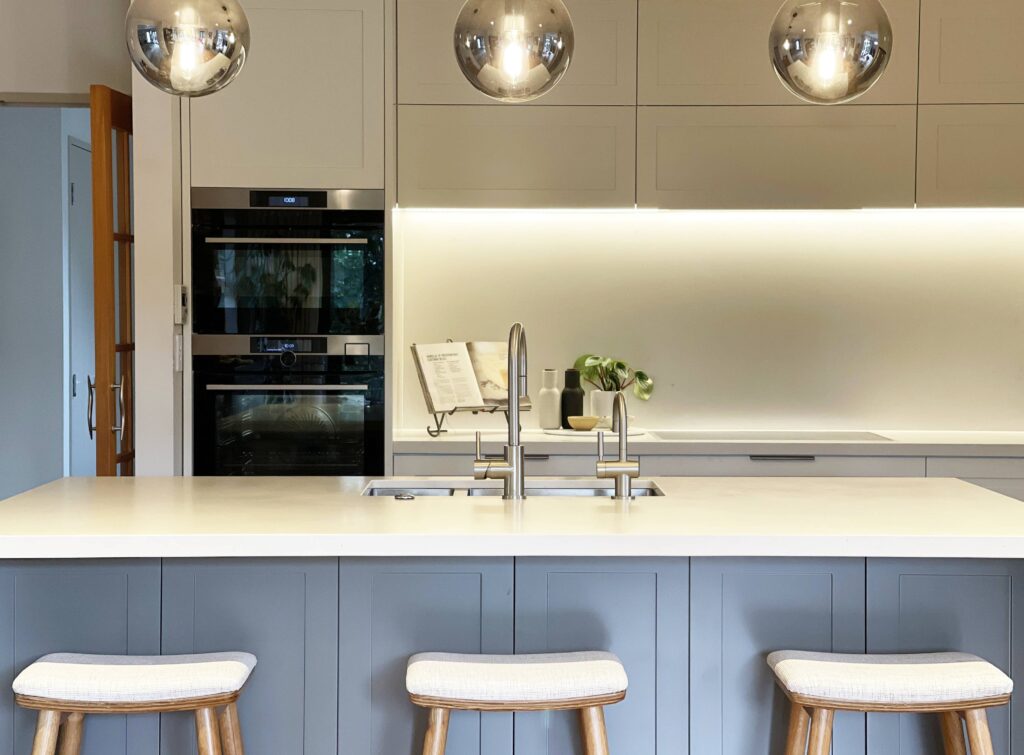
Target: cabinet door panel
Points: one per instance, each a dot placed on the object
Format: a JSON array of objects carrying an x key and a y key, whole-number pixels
[
  {"x": 635, "y": 608},
  {"x": 394, "y": 608},
  {"x": 972, "y": 52},
  {"x": 108, "y": 607},
  {"x": 466, "y": 156},
  {"x": 776, "y": 157},
  {"x": 602, "y": 72},
  {"x": 741, "y": 610},
  {"x": 966, "y": 156},
  {"x": 307, "y": 111},
  {"x": 285, "y": 612},
  {"x": 715, "y": 52},
  {"x": 929, "y": 605}
]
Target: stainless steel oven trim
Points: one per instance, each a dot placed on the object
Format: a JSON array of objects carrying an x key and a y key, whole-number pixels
[
  {"x": 210, "y": 198},
  {"x": 238, "y": 345},
  {"x": 283, "y": 387},
  {"x": 289, "y": 242}
]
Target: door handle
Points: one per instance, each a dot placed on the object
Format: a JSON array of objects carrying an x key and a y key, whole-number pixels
[
  {"x": 92, "y": 399},
  {"x": 120, "y": 428}
]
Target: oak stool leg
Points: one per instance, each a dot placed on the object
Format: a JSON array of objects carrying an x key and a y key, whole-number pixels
[
  {"x": 47, "y": 727},
  {"x": 595, "y": 737},
  {"x": 977, "y": 732},
  {"x": 71, "y": 734},
  {"x": 437, "y": 732},
  {"x": 207, "y": 735},
  {"x": 799, "y": 723},
  {"x": 952, "y": 733},
  {"x": 821, "y": 731},
  {"x": 230, "y": 730}
]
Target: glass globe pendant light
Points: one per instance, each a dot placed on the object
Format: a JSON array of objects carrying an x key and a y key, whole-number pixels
[
  {"x": 187, "y": 47},
  {"x": 830, "y": 51},
  {"x": 514, "y": 50}
]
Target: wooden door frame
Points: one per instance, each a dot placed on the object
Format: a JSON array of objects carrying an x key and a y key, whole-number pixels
[{"x": 111, "y": 112}]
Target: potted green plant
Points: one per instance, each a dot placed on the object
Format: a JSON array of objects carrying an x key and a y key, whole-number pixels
[{"x": 608, "y": 376}]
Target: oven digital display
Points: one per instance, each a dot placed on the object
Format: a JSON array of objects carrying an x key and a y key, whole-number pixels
[
  {"x": 290, "y": 199},
  {"x": 294, "y": 345}
]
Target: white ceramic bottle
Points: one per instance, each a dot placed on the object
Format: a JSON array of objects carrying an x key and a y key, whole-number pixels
[{"x": 549, "y": 401}]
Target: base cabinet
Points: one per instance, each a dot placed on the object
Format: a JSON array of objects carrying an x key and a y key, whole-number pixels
[
  {"x": 285, "y": 612},
  {"x": 635, "y": 608},
  {"x": 930, "y": 605},
  {"x": 394, "y": 608},
  {"x": 108, "y": 607},
  {"x": 741, "y": 609}
]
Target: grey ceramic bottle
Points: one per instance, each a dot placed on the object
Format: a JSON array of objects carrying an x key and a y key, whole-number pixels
[{"x": 572, "y": 397}]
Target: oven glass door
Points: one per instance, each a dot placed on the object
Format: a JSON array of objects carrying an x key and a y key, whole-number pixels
[
  {"x": 257, "y": 285},
  {"x": 290, "y": 429}
]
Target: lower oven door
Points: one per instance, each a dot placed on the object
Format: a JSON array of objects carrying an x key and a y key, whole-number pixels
[{"x": 310, "y": 428}]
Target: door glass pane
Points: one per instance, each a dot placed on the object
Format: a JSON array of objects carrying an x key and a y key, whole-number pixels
[{"x": 270, "y": 432}]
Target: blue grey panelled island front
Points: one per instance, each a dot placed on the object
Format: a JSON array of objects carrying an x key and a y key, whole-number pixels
[
  {"x": 333, "y": 624},
  {"x": 332, "y": 637}
]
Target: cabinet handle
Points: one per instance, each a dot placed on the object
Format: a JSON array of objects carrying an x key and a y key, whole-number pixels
[
  {"x": 92, "y": 399},
  {"x": 528, "y": 457},
  {"x": 120, "y": 388},
  {"x": 782, "y": 458}
]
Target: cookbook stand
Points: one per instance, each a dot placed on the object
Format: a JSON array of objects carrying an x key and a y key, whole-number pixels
[{"x": 440, "y": 416}]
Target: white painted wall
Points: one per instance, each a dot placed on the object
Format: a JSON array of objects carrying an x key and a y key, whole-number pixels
[
  {"x": 31, "y": 299},
  {"x": 52, "y": 50},
  {"x": 870, "y": 319},
  {"x": 157, "y": 166}
]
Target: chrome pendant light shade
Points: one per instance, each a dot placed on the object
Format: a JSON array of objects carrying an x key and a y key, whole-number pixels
[
  {"x": 514, "y": 50},
  {"x": 830, "y": 51},
  {"x": 187, "y": 47}
]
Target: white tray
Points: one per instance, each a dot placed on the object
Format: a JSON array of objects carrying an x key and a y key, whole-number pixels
[{"x": 633, "y": 431}]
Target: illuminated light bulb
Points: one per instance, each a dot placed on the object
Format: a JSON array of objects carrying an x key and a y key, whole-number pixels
[
  {"x": 830, "y": 51},
  {"x": 514, "y": 50},
  {"x": 190, "y": 48}
]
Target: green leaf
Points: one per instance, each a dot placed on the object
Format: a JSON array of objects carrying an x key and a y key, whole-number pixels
[{"x": 644, "y": 385}]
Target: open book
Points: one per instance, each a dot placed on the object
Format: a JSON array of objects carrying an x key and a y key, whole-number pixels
[{"x": 464, "y": 376}]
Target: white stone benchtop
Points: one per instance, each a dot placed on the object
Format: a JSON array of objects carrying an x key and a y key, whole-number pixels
[{"x": 699, "y": 516}]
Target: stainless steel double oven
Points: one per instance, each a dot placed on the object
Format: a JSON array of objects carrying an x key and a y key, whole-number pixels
[{"x": 288, "y": 332}]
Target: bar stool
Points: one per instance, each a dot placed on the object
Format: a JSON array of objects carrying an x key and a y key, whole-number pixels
[
  {"x": 586, "y": 682},
  {"x": 64, "y": 687},
  {"x": 957, "y": 686}
]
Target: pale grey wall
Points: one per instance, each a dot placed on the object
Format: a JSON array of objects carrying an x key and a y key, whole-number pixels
[{"x": 31, "y": 298}]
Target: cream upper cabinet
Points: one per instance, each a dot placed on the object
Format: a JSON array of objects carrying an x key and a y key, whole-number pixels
[
  {"x": 470, "y": 156},
  {"x": 307, "y": 111},
  {"x": 715, "y": 52},
  {"x": 602, "y": 71},
  {"x": 972, "y": 51},
  {"x": 776, "y": 157},
  {"x": 969, "y": 156}
]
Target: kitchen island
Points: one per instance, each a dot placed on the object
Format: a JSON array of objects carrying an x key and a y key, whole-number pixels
[{"x": 332, "y": 590}]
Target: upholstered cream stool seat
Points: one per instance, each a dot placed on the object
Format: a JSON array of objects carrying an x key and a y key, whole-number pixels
[
  {"x": 64, "y": 687},
  {"x": 958, "y": 686},
  {"x": 585, "y": 681}
]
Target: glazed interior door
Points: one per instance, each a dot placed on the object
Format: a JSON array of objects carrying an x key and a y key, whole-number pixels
[{"x": 113, "y": 252}]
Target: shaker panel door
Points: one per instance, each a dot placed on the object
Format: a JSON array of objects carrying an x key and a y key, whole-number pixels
[
  {"x": 741, "y": 609},
  {"x": 393, "y": 608},
  {"x": 635, "y": 608},
  {"x": 602, "y": 70}
]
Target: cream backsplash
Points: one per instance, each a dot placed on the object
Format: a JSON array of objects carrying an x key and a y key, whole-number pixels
[{"x": 879, "y": 319}]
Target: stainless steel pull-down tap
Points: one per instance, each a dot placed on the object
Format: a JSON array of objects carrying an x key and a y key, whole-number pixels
[
  {"x": 511, "y": 470},
  {"x": 622, "y": 470}
]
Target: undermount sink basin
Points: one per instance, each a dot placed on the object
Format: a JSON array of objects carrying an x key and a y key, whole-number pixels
[
  {"x": 564, "y": 488},
  {"x": 792, "y": 436}
]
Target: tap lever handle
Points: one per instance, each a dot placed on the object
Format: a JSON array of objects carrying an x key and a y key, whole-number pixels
[
  {"x": 600, "y": 445},
  {"x": 479, "y": 446}
]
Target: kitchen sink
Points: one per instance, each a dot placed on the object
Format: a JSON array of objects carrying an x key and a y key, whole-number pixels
[
  {"x": 560, "y": 488},
  {"x": 792, "y": 436}
]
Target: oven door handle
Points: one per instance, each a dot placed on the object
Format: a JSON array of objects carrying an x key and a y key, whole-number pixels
[
  {"x": 289, "y": 242},
  {"x": 257, "y": 387}
]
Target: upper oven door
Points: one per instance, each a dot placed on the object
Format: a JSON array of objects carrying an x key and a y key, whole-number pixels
[{"x": 267, "y": 271}]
